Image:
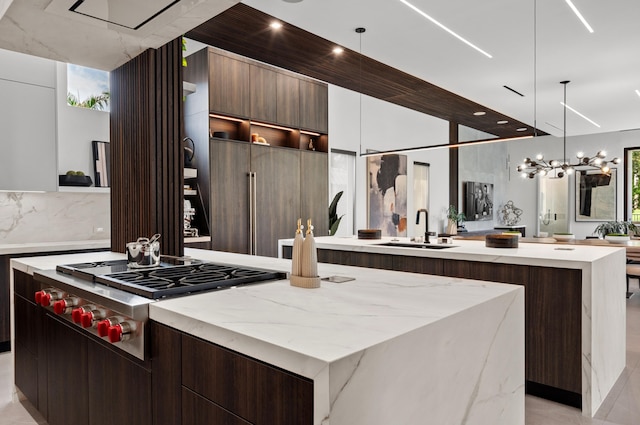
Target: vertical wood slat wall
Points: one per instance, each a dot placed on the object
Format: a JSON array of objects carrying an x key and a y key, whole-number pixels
[{"x": 146, "y": 149}]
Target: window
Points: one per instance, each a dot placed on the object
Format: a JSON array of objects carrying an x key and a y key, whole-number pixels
[
  {"x": 87, "y": 87},
  {"x": 632, "y": 184},
  {"x": 342, "y": 177}
]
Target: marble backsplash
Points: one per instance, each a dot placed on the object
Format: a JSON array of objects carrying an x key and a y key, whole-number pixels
[{"x": 53, "y": 217}]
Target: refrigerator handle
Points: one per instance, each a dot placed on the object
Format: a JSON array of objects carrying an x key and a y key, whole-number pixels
[
  {"x": 250, "y": 175},
  {"x": 254, "y": 225}
]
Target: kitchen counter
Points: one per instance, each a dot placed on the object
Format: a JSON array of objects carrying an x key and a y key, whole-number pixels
[
  {"x": 387, "y": 347},
  {"x": 24, "y": 248},
  {"x": 601, "y": 315}
]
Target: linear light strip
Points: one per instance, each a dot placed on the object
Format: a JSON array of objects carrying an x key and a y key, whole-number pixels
[
  {"x": 579, "y": 114},
  {"x": 638, "y": 92},
  {"x": 446, "y": 29},
  {"x": 579, "y": 15},
  {"x": 444, "y": 145}
]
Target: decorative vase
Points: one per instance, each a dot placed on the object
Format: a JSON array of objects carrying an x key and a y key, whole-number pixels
[
  {"x": 617, "y": 238},
  {"x": 452, "y": 227}
]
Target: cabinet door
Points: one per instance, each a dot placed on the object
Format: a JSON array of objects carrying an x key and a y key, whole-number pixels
[
  {"x": 229, "y": 168},
  {"x": 288, "y": 100},
  {"x": 27, "y": 120},
  {"x": 277, "y": 195},
  {"x": 120, "y": 390},
  {"x": 229, "y": 86},
  {"x": 263, "y": 94},
  {"x": 67, "y": 374},
  {"x": 314, "y": 98},
  {"x": 314, "y": 189}
]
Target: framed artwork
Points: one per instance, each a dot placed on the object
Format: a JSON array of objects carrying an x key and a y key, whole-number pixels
[
  {"x": 478, "y": 201},
  {"x": 101, "y": 162},
  {"x": 387, "y": 195},
  {"x": 596, "y": 195}
]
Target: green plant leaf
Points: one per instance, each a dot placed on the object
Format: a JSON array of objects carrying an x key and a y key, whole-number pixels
[{"x": 334, "y": 227}]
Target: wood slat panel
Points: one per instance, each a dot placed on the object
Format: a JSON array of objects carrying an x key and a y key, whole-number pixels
[
  {"x": 241, "y": 29},
  {"x": 146, "y": 149}
]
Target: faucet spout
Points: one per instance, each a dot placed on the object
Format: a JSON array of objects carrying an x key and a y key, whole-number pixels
[{"x": 426, "y": 223}]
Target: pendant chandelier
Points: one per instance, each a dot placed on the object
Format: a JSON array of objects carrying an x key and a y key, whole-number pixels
[{"x": 558, "y": 168}]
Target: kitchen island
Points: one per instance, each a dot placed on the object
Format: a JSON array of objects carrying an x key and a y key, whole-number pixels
[
  {"x": 384, "y": 348},
  {"x": 574, "y": 302}
]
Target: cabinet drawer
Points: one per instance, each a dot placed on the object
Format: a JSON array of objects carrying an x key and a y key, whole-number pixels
[
  {"x": 257, "y": 392},
  {"x": 197, "y": 410}
]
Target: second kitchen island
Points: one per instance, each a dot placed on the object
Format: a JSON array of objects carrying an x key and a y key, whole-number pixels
[{"x": 575, "y": 314}]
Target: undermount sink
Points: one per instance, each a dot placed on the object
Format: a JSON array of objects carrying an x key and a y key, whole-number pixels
[{"x": 416, "y": 245}]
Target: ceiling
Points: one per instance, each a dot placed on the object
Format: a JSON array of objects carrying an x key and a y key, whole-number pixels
[{"x": 603, "y": 67}]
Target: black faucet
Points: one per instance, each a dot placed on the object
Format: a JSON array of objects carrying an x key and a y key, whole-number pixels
[{"x": 426, "y": 223}]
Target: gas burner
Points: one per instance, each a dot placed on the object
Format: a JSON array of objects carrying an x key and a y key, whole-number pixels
[{"x": 169, "y": 279}]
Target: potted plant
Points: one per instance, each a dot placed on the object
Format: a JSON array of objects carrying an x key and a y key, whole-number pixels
[
  {"x": 454, "y": 219},
  {"x": 616, "y": 231}
]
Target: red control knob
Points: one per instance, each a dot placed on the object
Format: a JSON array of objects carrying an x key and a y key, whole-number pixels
[
  {"x": 103, "y": 328},
  {"x": 65, "y": 305},
  {"x": 45, "y": 300},
  {"x": 38, "y": 296},
  {"x": 115, "y": 333},
  {"x": 76, "y": 314},
  {"x": 87, "y": 319},
  {"x": 59, "y": 307},
  {"x": 122, "y": 331}
]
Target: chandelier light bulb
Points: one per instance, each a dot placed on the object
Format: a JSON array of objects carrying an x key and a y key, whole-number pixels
[
  {"x": 543, "y": 173},
  {"x": 616, "y": 160},
  {"x": 524, "y": 175},
  {"x": 601, "y": 154},
  {"x": 580, "y": 155},
  {"x": 555, "y": 163},
  {"x": 597, "y": 161},
  {"x": 539, "y": 157},
  {"x": 605, "y": 169},
  {"x": 569, "y": 170}
]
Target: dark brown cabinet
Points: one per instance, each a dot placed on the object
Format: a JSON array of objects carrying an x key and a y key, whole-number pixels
[
  {"x": 291, "y": 177},
  {"x": 71, "y": 377},
  {"x": 277, "y": 196},
  {"x": 314, "y": 189},
  {"x": 269, "y": 203},
  {"x": 263, "y": 84},
  {"x": 314, "y": 98},
  {"x": 217, "y": 385},
  {"x": 229, "y": 86},
  {"x": 288, "y": 100}
]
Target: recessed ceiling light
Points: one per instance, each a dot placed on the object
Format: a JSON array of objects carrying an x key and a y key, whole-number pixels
[
  {"x": 275, "y": 25},
  {"x": 579, "y": 15},
  {"x": 468, "y": 43},
  {"x": 579, "y": 114},
  {"x": 479, "y": 113},
  {"x": 338, "y": 50},
  {"x": 502, "y": 122},
  {"x": 521, "y": 129}
]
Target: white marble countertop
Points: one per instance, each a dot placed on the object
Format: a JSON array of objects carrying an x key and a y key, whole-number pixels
[
  {"x": 22, "y": 248},
  {"x": 535, "y": 254},
  {"x": 324, "y": 324}
]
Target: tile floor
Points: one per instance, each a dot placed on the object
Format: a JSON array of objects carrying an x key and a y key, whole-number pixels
[{"x": 622, "y": 406}]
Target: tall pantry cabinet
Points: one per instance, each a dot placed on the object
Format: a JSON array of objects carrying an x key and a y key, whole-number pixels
[{"x": 255, "y": 192}]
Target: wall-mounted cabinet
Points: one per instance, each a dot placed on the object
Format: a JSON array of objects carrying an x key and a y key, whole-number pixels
[{"x": 229, "y": 82}]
